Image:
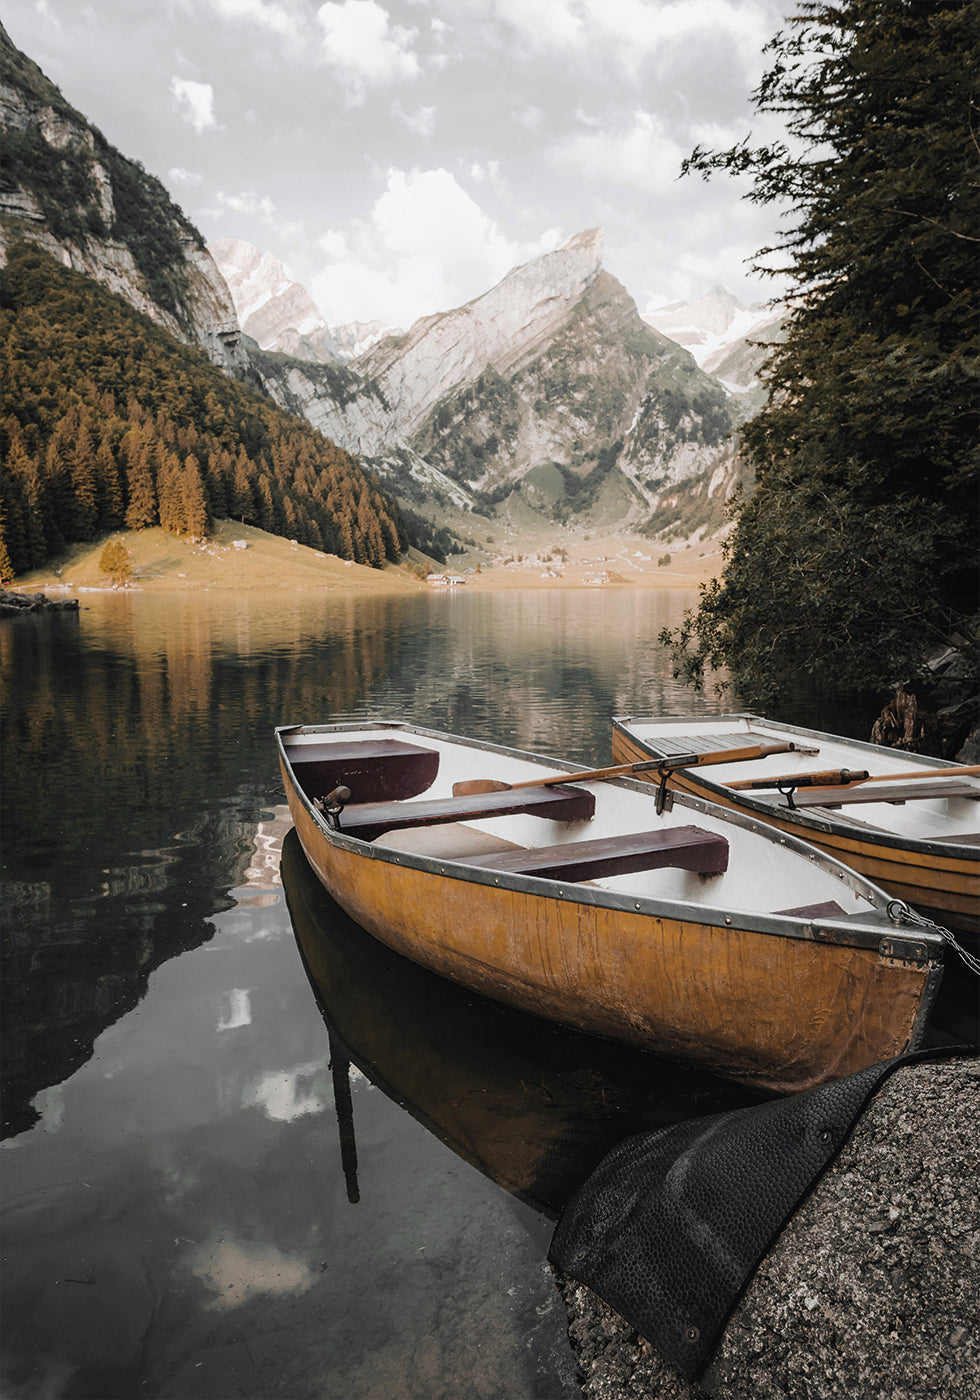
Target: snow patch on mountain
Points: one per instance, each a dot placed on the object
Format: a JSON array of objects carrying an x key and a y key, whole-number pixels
[{"x": 711, "y": 326}]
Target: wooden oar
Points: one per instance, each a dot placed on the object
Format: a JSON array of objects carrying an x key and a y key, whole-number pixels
[
  {"x": 845, "y": 778},
  {"x": 835, "y": 777},
  {"x": 469, "y": 787}
]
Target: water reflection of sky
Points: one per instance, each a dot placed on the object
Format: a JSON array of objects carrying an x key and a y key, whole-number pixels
[{"x": 177, "y": 1222}]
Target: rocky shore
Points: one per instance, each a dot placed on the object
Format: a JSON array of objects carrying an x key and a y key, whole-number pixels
[
  {"x": 872, "y": 1289},
  {"x": 13, "y": 604}
]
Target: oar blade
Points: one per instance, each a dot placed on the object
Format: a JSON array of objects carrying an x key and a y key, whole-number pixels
[{"x": 472, "y": 787}]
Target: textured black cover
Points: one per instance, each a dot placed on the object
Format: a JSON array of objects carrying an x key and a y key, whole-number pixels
[{"x": 671, "y": 1224}]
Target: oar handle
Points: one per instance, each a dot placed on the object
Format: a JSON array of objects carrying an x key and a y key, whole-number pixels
[
  {"x": 844, "y": 777},
  {"x": 837, "y": 777}
]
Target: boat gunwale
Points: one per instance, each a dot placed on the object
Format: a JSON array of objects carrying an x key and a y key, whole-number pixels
[
  {"x": 825, "y": 821},
  {"x": 860, "y": 929}
]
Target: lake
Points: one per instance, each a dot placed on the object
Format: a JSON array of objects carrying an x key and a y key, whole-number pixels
[{"x": 247, "y": 1151}]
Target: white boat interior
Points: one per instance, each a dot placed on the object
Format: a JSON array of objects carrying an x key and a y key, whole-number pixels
[
  {"x": 765, "y": 871},
  {"x": 923, "y": 809}
]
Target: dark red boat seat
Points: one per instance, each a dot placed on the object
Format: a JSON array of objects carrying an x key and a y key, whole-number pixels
[
  {"x": 375, "y": 770},
  {"x": 561, "y": 803},
  {"x": 679, "y": 847}
]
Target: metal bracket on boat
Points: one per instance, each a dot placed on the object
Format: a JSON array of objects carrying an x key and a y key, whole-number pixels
[
  {"x": 786, "y": 790},
  {"x": 665, "y": 799},
  {"x": 332, "y": 805},
  {"x": 903, "y": 951}
]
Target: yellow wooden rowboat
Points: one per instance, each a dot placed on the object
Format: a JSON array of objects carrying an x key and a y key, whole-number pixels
[
  {"x": 916, "y": 834},
  {"x": 696, "y": 933}
]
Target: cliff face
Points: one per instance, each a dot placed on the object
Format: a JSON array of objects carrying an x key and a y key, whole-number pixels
[{"x": 65, "y": 188}]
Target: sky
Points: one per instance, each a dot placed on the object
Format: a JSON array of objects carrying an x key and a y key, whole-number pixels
[{"x": 399, "y": 157}]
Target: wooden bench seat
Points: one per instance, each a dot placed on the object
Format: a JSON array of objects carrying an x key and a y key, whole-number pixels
[
  {"x": 885, "y": 792},
  {"x": 680, "y": 847},
  {"x": 375, "y": 770},
  {"x": 562, "y": 804}
]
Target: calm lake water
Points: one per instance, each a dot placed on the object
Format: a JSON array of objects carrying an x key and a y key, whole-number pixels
[{"x": 246, "y": 1151}]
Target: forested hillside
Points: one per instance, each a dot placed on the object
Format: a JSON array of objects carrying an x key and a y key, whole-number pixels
[{"x": 106, "y": 421}]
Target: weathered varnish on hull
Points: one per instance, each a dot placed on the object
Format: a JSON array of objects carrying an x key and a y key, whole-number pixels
[
  {"x": 720, "y": 990},
  {"x": 939, "y": 878}
]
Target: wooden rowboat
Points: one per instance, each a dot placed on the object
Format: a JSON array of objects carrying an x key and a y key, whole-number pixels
[
  {"x": 916, "y": 834},
  {"x": 693, "y": 932}
]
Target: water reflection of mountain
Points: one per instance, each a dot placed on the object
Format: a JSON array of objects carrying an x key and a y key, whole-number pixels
[
  {"x": 531, "y": 1105},
  {"x": 137, "y": 763}
]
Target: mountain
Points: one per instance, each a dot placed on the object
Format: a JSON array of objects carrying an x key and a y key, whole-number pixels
[
  {"x": 547, "y": 399},
  {"x": 66, "y": 189},
  {"x": 549, "y": 385},
  {"x": 281, "y": 315}
]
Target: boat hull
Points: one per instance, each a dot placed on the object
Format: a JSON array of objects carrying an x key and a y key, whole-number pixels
[
  {"x": 943, "y": 884},
  {"x": 722, "y": 991}
]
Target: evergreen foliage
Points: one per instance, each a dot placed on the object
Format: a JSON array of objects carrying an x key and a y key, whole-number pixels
[
  {"x": 105, "y": 419},
  {"x": 856, "y": 553},
  {"x": 116, "y": 561}
]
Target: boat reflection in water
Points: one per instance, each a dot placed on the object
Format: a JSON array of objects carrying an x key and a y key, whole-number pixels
[{"x": 532, "y": 1105}]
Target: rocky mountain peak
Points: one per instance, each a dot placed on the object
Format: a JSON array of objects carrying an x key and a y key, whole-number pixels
[{"x": 442, "y": 353}]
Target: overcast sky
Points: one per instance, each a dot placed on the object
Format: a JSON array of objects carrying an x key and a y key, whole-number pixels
[{"x": 400, "y": 156}]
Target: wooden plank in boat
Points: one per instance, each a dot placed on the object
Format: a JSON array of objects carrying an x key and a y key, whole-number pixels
[
  {"x": 678, "y": 744},
  {"x": 884, "y": 792},
  {"x": 563, "y": 804},
  {"x": 679, "y": 847},
  {"x": 375, "y": 770}
]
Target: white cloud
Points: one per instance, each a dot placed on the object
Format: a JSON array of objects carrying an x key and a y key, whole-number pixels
[
  {"x": 545, "y": 24},
  {"x": 631, "y": 32},
  {"x": 422, "y": 121},
  {"x": 642, "y": 155},
  {"x": 185, "y": 179},
  {"x": 278, "y": 19},
  {"x": 359, "y": 40},
  {"x": 427, "y": 246},
  {"x": 196, "y": 100},
  {"x": 289, "y": 232}
]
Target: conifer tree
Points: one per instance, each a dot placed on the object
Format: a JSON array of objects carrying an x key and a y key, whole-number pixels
[
  {"x": 116, "y": 561},
  {"x": 857, "y": 551},
  {"x": 83, "y": 473},
  {"x": 170, "y": 493},
  {"x": 7, "y": 571},
  {"x": 109, "y": 491},
  {"x": 141, "y": 512},
  {"x": 195, "y": 506}
]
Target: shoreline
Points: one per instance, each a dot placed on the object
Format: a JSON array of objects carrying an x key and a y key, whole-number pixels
[{"x": 241, "y": 558}]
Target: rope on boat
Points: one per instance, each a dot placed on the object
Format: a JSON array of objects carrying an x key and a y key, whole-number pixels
[{"x": 900, "y": 913}]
